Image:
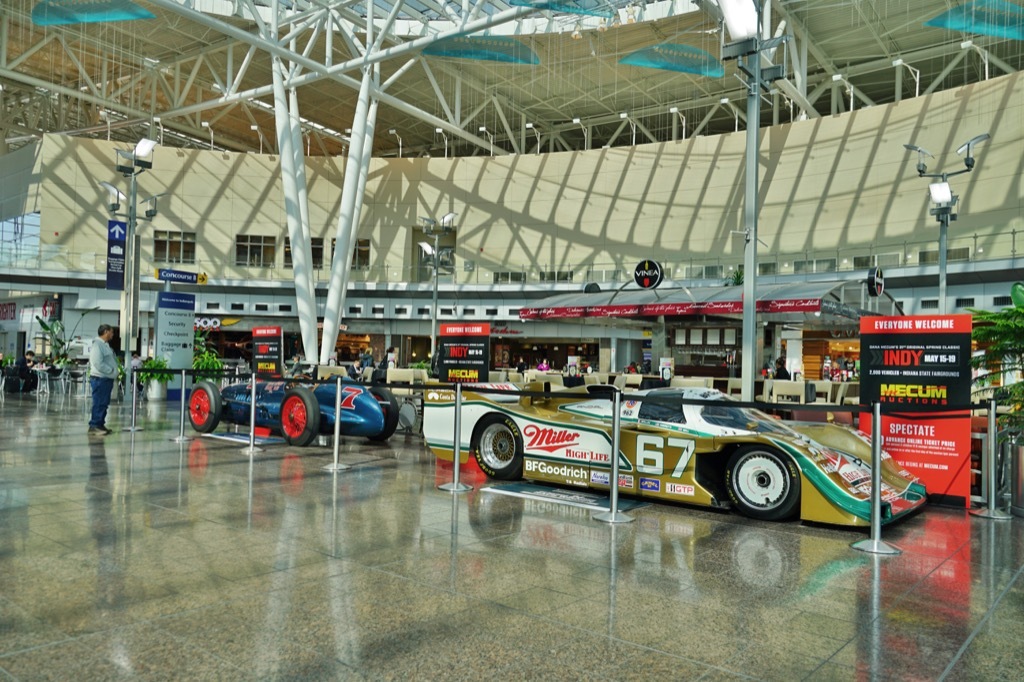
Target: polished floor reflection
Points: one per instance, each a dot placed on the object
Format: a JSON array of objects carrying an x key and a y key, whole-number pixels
[{"x": 135, "y": 557}]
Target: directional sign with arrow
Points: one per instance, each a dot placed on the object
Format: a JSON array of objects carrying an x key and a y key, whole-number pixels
[{"x": 116, "y": 231}]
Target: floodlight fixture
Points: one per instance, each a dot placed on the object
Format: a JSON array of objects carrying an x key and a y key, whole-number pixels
[
  {"x": 427, "y": 248},
  {"x": 576, "y": 35},
  {"x": 115, "y": 196},
  {"x": 576, "y": 121},
  {"x": 966, "y": 44},
  {"x": 969, "y": 148},
  {"x": 673, "y": 110},
  {"x": 898, "y": 61},
  {"x": 724, "y": 100},
  {"x": 921, "y": 153},
  {"x": 623, "y": 115},
  {"x": 740, "y": 18},
  {"x": 836, "y": 77},
  {"x": 941, "y": 193},
  {"x": 448, "y": 221}
]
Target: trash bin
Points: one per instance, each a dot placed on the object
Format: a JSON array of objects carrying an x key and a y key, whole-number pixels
[{"x": 1017, "y": 477}]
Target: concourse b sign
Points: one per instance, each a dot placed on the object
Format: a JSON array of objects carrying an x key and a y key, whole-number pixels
[{"x": 918, "y": 368}]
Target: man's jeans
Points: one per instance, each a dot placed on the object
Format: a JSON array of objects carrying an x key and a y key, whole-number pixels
[{"x": 101, "y": 389}]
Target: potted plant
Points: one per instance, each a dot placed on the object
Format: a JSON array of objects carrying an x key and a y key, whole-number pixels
[
  {"x": 1001, "y": 335},
  {"x": 156, "y": 377}
]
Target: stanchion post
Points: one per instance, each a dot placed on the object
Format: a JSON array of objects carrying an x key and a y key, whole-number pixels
[
  {"x": 989, "y": 465},
  {"x": 875, "y": 545},
  {"x": 337, "y": 466},
  {"x": 252, "y": 449},
  {"x": 456, "y": 486},
  {"x": 182, "y": 438},
  {"x": 613, "y": 515},
  {"x": 133, "y": 379}
]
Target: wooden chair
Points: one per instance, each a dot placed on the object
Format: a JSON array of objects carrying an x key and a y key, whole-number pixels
[
  {"x": 620, "y": 382},
  {"x": 497, "y": 376},
  {"x": 633, "y": 380},
  {"x": 852, "y": 396},
  {"x": 515, "y": 377},
  {"x": 590, "y": 380},
  {"x": 840, "y": 395},
  {"x": 766, "y": 390}
]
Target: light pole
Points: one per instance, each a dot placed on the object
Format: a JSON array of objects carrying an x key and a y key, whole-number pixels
[
  {"x": 743, "y": 20},
  {"x": 439, "y": 257},
  {"x": 395, "y": 133},
  {"x": 483, "y": 129},
  {"x": 440, "y": 131},
  {"x": 945, "y": 201},
  {"x": 131, "y": 164}
]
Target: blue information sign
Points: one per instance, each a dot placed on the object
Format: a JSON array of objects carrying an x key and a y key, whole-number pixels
[
  {"x": 116, "y": 232},
  {"x": 167, "y": 275}
]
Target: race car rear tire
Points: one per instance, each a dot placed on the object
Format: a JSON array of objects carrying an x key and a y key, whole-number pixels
[
  {"x": 389, "y": 406},
  {"x": 204, "y": 407},
  {"x": 763, "y": 483},
  {"x": 300, "y": 416},
  {"x": 498, "y": 447}
]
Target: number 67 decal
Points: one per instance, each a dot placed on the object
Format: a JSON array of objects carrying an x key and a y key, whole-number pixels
[{"x": 650, "y": 455}]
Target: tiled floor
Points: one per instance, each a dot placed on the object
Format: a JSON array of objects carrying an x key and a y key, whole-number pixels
[{"x": 134, "y": 557}]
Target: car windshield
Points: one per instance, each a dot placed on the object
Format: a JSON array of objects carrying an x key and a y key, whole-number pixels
[{"x": 742, "y": 418}]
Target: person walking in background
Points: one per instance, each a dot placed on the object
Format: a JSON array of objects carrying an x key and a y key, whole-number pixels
[
  {"x": 102, "y": 375},
  {"x": 781, "y": 373}
]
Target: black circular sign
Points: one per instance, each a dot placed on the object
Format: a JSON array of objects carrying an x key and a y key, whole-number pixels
[
  {"x": 876, "y": 283},
  {"x": 648, "y": 274}
]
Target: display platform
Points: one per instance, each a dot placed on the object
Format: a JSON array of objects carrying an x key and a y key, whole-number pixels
[{"x": 572, "y": 498}]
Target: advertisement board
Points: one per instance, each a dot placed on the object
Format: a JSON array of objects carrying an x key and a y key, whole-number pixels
[
  {"x": 267, "y": 349},
  {"x": 918, "y": 368},
  {"x": 465, "y": 350},
  {"x": 175, "y": 335}
]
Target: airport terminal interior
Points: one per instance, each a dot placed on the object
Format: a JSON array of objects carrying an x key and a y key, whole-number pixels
[
  {"x": 137, "y": 557},
  {"x": 360, "y": 177}
]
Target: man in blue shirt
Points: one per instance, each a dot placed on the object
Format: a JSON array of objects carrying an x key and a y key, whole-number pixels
[{"x": 102, "y": 375}]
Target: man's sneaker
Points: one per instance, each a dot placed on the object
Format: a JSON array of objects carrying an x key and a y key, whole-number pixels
[
  {"x": 93, "y": 431},
  {"x": 105, "y": 431}
]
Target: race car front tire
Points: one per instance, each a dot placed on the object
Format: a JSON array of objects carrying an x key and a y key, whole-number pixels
[
  {"x": 763, "y": 483},
  {"x": 389, "y": 406},
  {"x": 204, "y": 407},
  {"x": 498, "y": 447},
  {"x": 300, "y": 416}
]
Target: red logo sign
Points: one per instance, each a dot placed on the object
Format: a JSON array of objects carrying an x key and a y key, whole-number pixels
[{"x": 548, "y": 439}]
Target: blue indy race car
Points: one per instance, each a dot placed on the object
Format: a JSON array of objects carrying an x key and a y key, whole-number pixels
[{"x": 299, "y": 412}]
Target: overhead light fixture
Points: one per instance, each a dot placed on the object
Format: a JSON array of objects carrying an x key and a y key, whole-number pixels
[
  {"x": 576, "y": 35},
  {"x": 724, "y": 100},
  {"x": 602, "y": 25},
  {"x": 966, "y": 44},
  {"x": 898, "y": 61},
  {"x": 448, "y": 219},
  {"x": 427, "y": 248},
  {"x": 631, "y": 14},
  {"x": 673, "y": 110},
  {"x": 529, "y": 126},
  {"x": 623, "y": 115},
  {"x": 438, "y": 131},
  {"x": 576, "y": 121},
  {"x": 836, "y": 77},
  {"x": 483, "y": 129}
]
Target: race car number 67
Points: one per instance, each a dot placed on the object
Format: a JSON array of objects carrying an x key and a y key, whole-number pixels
[{"x": 650, "y": 456}]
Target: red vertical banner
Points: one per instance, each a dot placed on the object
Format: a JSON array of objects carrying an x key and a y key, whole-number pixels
[
  {"x": 465, "y": 349},
  {"x": 918, "y": 368}
]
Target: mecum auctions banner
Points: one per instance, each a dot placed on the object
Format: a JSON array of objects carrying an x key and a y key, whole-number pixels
[{"x": 918, "y": 368}]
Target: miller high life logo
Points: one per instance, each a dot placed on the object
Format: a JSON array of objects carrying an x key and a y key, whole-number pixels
[{"x": 549, "y": 439}]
